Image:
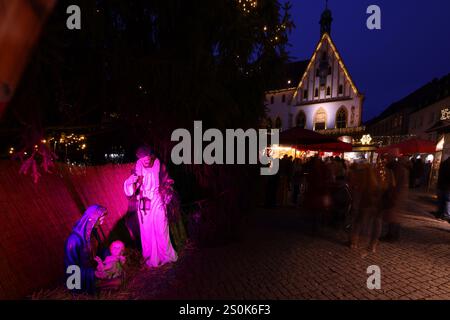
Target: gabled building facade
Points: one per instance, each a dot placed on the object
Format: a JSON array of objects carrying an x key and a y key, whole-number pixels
[{"x": 322, "y": 96}]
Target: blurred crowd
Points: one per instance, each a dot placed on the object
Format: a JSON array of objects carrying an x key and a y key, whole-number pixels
[{"x": 360, "y": 198}]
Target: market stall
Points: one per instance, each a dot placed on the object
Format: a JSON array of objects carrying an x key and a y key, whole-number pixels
[
  {"x": 442, "y": 128},
  {"x": 298, "y": 142},
  {"x": 410, "y": 147}
]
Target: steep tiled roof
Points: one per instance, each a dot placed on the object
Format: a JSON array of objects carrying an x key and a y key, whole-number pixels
[
  {"x": 433, "y": 91},
  {"x": 292, "y": 71}
]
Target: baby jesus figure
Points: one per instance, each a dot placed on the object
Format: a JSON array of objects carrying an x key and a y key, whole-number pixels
[{"x": 112, "y": 267}]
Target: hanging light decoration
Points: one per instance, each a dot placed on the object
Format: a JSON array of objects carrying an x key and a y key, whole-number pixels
[{"x": 247, "y": 5}]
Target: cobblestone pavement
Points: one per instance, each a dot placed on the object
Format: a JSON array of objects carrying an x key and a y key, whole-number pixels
[{"x": 277, "y": 260}]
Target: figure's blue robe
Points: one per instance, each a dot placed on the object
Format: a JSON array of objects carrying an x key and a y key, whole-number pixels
[
  {"x": 75, "y": 254},
  {"x": 78, "y": 250}
]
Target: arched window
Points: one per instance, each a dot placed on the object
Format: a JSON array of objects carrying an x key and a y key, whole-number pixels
[
  {"x": 269, "y": 123},
  {"x": 316, "y": 93},
  {"x": 300, "y": 120},
  {"x": 305, "y": 94},
  {"x": 320, "y": 120},
  {"x": 341, "y": 89},
  {"x": 341, "y": 118},
  {"x": 328, "y": 91},
  {"x": 278, "y": 123}
]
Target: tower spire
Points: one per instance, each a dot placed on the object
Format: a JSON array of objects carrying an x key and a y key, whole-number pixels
[{"x": 325, "y": 20}]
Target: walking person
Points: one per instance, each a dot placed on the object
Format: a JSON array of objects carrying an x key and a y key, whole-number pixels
[
  {"x": 399, "y": 192},
  {"x": 387, "y": 187},
  {"x": 443, "y": 185},
  {"x": 367, "y": 193}
]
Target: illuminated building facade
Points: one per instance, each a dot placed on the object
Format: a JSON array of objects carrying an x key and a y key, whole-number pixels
[
  {"x": 421, "y": 120},
  {"x": 413, "y": 115},
  {"x": 320, "y": 94}
]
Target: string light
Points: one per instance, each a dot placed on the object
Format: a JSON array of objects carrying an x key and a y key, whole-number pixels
[
  {"x": 247, "y": 5},
  {"x": 338, "y": 58},
  {"x": 78, "y": 141}
]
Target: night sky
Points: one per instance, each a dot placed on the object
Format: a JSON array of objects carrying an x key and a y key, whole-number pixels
[{"x": 411, "y": 49}]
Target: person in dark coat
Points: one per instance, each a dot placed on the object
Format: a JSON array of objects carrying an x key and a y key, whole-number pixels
[
  {"x": 317, "y": 196},
  {"x": 443, "y": 185},
  {"x": 367, "y": 189},
  {"x": 419, "y": 170},
  {"x": 399, "y": 195},
  {"x": 82, "y": 246}
]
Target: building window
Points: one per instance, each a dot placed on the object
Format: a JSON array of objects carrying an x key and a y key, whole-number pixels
[
  {"x": 328, "y": 91},
  {"x": 300, "y": 121},
  {"x": 341, "y": 89},
  {"x": 305, "y": 94},
  {"x": 341, "y": 118},
  {"x": 272, "y": 99},
  {"x": 269, "y": 123},
  {"x": 353, "y": 116},
  {"x": 320, "y": 120},
  {"x": 329, "y": 70},
  {"x": 316, "y": 93},
  {"x": 283, "y": 98}
]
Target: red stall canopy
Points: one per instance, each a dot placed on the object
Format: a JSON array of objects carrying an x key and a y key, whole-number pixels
[
  {"x": 411, "y": 146},
  {"x": 299, "y": 136},
  {"x": 330, "y": 147}
]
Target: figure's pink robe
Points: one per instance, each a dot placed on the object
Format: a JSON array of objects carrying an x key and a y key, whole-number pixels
[{"x": 156, "y": 246}]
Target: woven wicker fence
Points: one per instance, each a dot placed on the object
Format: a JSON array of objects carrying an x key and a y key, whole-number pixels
[{"x": 35, "y": 219}]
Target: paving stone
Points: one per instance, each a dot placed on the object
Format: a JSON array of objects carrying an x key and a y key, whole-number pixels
[{"x": 278, "y": 260}]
